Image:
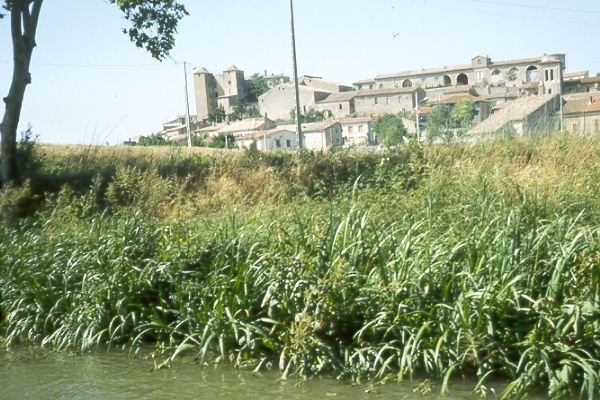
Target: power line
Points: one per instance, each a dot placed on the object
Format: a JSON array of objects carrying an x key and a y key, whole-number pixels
[{"x": 90, "y": 65}]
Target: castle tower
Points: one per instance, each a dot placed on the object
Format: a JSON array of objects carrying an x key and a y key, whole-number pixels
[
  {"x": 206, "y": 93},
  {"x": 233, "y": 81}
]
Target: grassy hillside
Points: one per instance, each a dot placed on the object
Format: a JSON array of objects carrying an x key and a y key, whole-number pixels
[{"x": 478, "y": 259}]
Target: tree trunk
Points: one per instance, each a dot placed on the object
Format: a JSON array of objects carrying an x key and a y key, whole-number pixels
[{"x": 24, "y": 18}]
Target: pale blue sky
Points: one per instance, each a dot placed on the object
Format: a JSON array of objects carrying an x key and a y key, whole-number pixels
[{"x": 91, "y": 85}]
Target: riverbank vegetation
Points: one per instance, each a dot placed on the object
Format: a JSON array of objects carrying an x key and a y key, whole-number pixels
[{"x": 471, "y": 259}]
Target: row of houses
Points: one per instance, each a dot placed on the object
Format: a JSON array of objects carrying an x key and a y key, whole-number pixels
[
  {"x": 493, "y": 81},
  {"x": 317, "y": 136},
  {"x": 491, "y": 86}
]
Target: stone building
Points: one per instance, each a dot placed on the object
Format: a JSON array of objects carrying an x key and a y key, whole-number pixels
[
  {"x": 390, "y": 101},
  {"x": 322, "y": 136},
  {"x": 217, "y": 90},
  {"x": 278, "y": 102},
  {"x": 581, "y": 113},
  {"x": 546, "y": 72},
  {"x": 358, "y": 131},
  {"x": 583, "y": 85},
  {"x": 527, "y": 115}
]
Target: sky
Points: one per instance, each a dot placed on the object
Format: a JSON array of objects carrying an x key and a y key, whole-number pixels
[{"x": 91, "y": 85}]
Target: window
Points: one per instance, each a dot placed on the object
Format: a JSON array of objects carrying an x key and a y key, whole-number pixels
[
  {"x": 387, "y": 100},
  {"x": 288, "y": 143},
  {"x": 479, "y": 75},
  {"x": 360, "y": 127},
  {"x": 375, "y": 100},
  {"x": 341, "y": 107},
  {"x": 350, "y": 129},
  {"x": 399, "y": 99},
  {"x": 551, "y": 74},
  {"x": 423, "y": 81},
  {"x": 381, "y": 86},
  {"x": 359, "y": 87},
  {"x": 436, "y": 79},
  {"x": 277, "y": 143}
]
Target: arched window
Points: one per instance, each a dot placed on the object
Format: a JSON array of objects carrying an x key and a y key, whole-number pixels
[
  {"x": 462, "y": 79},
  {"x": 407, "y": 83},
  {"x": 496, "y": 76},
  {"x": 533, "y": 74},
  {"x": 447, "y": 80}
]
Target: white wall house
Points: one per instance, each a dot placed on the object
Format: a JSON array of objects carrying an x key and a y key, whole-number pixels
[
  {"x": 358, "y": 131},
  {"x": 322, "y": 135},
  {"x": 274, "y": 139}
]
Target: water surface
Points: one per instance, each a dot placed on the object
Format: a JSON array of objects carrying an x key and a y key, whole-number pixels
[{"x": 35, "y": 374}]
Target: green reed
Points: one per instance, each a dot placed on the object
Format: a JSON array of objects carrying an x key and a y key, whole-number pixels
[{"x": 470, "y": 260}]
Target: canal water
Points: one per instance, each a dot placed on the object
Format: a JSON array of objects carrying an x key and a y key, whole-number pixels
[{"x": 35, "y": 374}]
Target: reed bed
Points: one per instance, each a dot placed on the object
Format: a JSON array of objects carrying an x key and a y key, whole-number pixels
[{"x": 474, "y": 259}]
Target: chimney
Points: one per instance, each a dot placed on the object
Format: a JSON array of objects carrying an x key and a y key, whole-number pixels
[{"x": 591, "y": 100}]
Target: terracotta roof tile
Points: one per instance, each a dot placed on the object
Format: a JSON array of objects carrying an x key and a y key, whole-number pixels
[
  {"x": 587, "y": 104},
  {"x": 357, "y": 120}
]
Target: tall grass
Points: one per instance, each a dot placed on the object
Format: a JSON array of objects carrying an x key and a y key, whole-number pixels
[{"x": 466, "y": 260}]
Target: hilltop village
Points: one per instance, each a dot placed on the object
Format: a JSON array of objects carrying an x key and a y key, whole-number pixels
[{"x": 520, "y": 96}]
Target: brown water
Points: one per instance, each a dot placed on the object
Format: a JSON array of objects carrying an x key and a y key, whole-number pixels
[{"x": 27, "y": 374}]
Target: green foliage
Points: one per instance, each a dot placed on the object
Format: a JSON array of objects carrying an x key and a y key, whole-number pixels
[
  {"x": 254, "y": 88},
  {"x": 154, "y": 140},
  {"x": 311, "y": 116},
  {"x": 390, "y": 129},
  {"x": 438, "y": 122},
  {"x": 464, "y": 112},
  {"x": 154, "y": 23},
  {"x": 437, "y": 261},
  {"x": 239, "y": 111},
  {"x": 222, "y": 141},
  {"x": 217, "y": 116},
  {"x": 243, "y": 110}
]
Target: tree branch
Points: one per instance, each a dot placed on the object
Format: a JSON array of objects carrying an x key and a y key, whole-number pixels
[
  {"x": 15, "y": 22},
  {"x": 30, "y": 20}
]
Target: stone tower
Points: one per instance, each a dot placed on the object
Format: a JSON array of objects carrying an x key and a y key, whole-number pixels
[
  {"x": 233, "y": 81},
  {"x": 206, "y": 91}
]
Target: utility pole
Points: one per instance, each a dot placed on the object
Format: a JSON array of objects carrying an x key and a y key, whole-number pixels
[
  {"x": 417, "y": 116},
  {"x": 187, "y": 108},
  {"x": 296, "y": 88},
  {"x": 560, "y": 93}
]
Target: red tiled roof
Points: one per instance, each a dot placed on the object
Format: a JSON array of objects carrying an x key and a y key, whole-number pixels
[{"x": 582, "y": 105}]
